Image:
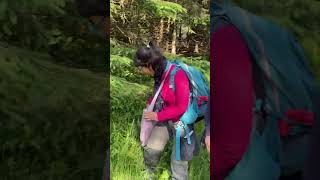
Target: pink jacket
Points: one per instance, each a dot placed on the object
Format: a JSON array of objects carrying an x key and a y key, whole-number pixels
[{"x": 175, "y": 104}]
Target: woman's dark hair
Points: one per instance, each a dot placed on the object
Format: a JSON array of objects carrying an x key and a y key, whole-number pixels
[{"x": 151, "y": 56}]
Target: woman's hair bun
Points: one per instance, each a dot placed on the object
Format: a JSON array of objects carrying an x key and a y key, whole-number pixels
[{"x": 153, "y": 45}]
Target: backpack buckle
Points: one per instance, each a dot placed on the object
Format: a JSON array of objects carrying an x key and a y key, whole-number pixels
[{"x": 261, "y": 106}]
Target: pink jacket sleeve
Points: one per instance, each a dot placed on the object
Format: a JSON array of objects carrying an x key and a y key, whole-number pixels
[
  {"x": 182, "y": 93},
  {"x": 232, "y": 100}
]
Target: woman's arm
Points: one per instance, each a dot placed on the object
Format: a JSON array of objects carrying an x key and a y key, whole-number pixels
[
  {"x": 182, "y": 93},
  {"x": 232, "y": 100}
]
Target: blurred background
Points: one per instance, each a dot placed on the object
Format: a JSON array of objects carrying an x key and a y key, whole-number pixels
[{"x": 53, "y": 90}]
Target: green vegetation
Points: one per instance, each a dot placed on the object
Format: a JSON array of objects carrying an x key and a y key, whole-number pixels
[
  {"x": 53, "y": 93},
  {"x": 179, "y": 27},
  {"x": 52, "y": 118}
]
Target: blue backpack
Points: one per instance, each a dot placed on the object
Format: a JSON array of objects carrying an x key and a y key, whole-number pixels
[{"x": 198, "y": 103}]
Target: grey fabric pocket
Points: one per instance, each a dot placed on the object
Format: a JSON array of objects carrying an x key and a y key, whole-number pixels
[{"x": 189, "y": 150}]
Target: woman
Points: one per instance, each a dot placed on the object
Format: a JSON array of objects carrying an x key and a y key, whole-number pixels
[
  {"x": 232, "y": 116},
  {"x": 170, "y": 106},
  {"x": 236, "y": 82}
]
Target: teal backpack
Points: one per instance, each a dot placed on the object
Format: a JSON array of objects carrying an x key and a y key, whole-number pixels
[
  {"x": 283, "y": 82},
  {"x": 198, "y": 103}
]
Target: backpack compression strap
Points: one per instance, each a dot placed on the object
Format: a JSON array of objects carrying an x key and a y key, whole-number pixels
[{"x": 179, "y": 129}]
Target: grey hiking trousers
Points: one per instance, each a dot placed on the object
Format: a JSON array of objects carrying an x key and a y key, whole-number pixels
[{"x": 160, "y": 136}]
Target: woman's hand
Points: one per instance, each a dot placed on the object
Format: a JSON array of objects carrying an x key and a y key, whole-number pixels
[
  {"x": 152, "y": 116},
  {"x": 207, "y": 141}
]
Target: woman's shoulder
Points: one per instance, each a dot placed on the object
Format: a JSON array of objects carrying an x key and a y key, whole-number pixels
[
  {"x": 226, "y": 29},
  {"x": 180, "y": 74},
  {"x": 177, "y": 73}
]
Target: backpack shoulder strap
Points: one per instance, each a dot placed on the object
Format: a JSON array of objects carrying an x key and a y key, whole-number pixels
[
  {"x": 172, "y": 74},
  {"x": 218, "y": 17},
  {"x": 155, "y": 97}
]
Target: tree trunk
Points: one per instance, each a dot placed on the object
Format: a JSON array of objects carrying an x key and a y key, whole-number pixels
[
  {"x": 180, "y": 30},
  {"x": 196, "y": 47},
  {"x": 161, "y": 27},
  {"x": 174, "y": 36},
  {"x": 137, "y": 42},
  {"x": 168, "y": 27},
  {"x": 152, "y": 31},
  {"x": 168, "y": 39},
  {"x": 174, "y": 39},
  {"x": 167, "y": 45}
]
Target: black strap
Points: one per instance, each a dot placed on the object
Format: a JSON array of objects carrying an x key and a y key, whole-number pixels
[
  {"x": 258, "y": 80},
  {"x": 260, "y": 93}
]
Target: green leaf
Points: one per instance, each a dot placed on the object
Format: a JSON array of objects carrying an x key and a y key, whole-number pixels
[
  {"x": 164, "y": 8},
  {"x": 165, "y": 175}
]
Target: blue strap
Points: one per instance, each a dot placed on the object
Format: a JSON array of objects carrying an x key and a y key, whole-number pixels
[
  {"x": 172, "y": 74},
  {"x": 167, "y": 66},
  {"x": 188, "y": 136},
  {"x": 178, "y": 139},
  {"x": 178, "y": 135}
]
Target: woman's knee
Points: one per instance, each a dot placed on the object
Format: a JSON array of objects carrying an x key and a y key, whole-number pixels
[{"x": 158, "y": 139}]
